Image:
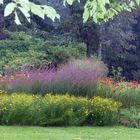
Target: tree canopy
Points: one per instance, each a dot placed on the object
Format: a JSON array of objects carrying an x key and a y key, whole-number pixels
[
  {"x": 27, "y": 7},
  {"x": 97, "y": 10}
]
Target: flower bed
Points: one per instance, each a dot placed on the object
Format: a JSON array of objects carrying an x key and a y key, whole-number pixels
[{"x": 57, "y": 110}]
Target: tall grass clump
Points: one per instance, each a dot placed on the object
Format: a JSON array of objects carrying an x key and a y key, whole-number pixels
[
  {"x": 29, "y": 81},
  {"x": 78, "y": 77},
  {"x": 126, "y": 92}
]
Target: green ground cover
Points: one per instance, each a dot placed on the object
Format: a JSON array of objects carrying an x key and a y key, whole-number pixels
[{"x": 69, "y": 133}]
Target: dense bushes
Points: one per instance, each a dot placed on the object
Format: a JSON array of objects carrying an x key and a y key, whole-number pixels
[
  {"x": 22, "y": 51},
  {"x": 130, "y": 117},
  {"x": 103, "y": 111},
  {"x": 78, "y": 77},
  {"x": 63, "y": 53},
  {"x": 58, "y": 110}
]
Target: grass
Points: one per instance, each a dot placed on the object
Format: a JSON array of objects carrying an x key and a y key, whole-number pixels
[{"x": 70, "y": 133}]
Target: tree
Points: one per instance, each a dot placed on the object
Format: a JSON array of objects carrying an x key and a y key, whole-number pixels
[
  {"x": 94, "y": 10},
  {"x": 97, "y": 10},
  {"x": 118, "y": 46},
  {"x": 102, "y": 10},
  {"x": 26, "y": 7}
]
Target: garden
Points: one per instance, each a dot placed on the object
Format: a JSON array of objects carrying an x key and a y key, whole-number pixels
[
  {"x": 69, "y": 70},
  {"x": 77, "y": 94},
  {"x": 77, "y": 97}
]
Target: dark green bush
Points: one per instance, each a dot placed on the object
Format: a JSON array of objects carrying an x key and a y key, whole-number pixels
[
  {"x": 64, "y": 53},
  {"x": 22, "y": 51}
]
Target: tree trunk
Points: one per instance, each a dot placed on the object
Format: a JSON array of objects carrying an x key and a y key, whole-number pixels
[
  {"x": 89, "y": 51},
  {"x": 100, "y": 52}
]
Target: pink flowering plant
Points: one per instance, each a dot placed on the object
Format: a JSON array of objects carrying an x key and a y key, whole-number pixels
[{"x": 78, "y": 77}]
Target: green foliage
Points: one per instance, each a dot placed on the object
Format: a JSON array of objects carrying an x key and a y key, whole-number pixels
[
  {"x": 130, "y": 117},
  {"x": 63, "y": 53},
  {"x": 102, "y": 10},
  {"x": 21, "y": 51},
  {"x": 27, "y": 7},
  {"x": 65, "y": 110},
  {"x": 119, "y": 44},
  {"x": 18, "y": 52},
  {"x": 22, "y": 109},
  {"x": 104, "y": 111},
  {"x": 126, "y": 92},
  {"x": 116, "y": 74},
  {"x": 98, "y": 10}
]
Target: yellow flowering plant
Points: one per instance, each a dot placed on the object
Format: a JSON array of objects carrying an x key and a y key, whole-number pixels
[
  {"x": 56, "y": 110},
  {"x": 103, "y": 111}
]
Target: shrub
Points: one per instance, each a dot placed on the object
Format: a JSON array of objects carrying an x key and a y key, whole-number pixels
[
  {"x": 13, "y": 109},
  {"x": 130, "y": 117},
  {"x": 65, "y": 110},
  {"x": 21, "y": 51},
  {"x": 58, "y": 54},
  {"x": 103, "y": 111},
  {"x": 22, "y": 109},
  {"x": 2, "y": 91},
  {"x": 55, "y": 110}
]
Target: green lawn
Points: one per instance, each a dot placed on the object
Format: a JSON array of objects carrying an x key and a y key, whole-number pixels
[{"x": 70, "y": 133}]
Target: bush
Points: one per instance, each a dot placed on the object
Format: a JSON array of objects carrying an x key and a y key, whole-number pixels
[
  {"x": 103, "y": 111},
  {"x": 14, "y": 109},
  {"x": 19, "y": 51},
  {"x": 60, "y": 54},
  {"x": 130, "y": 117},
  {"x": 22, "y": 51},
  {"x": 65, "y": 110},
  {"x": 58, "y": 110},
  {"x": 78, "y": 77}
]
